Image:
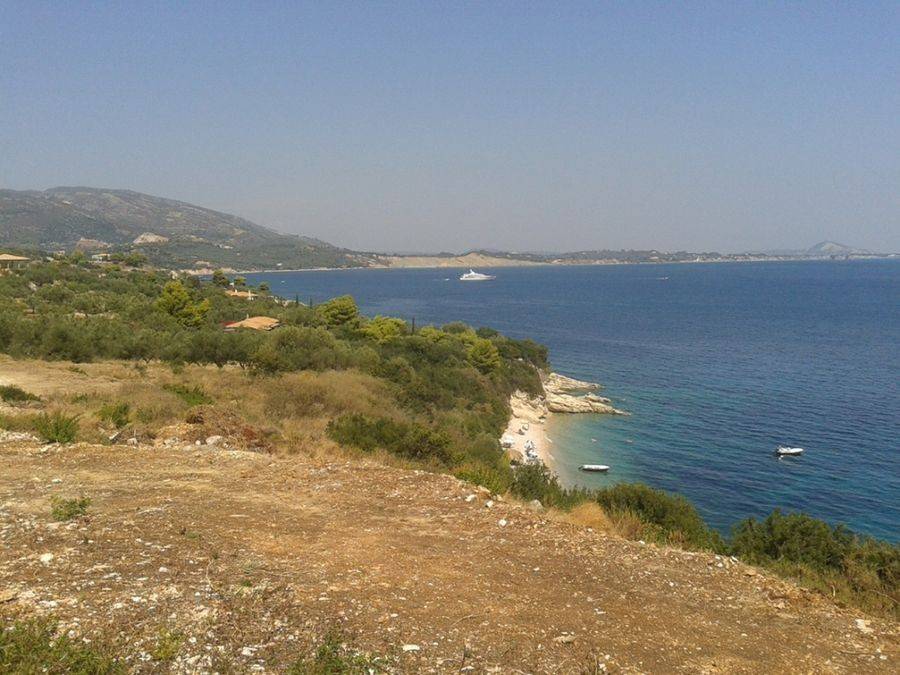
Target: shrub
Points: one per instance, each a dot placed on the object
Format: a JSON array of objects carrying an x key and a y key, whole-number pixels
[
  {"x": 409, "y": 440},
  {"x": 794, "y": 537},
  {"x": 57, "y": 427},
  {"x": 536, "y": 481},
  {"x": 117, "y": 414},
  {"x": 299, "y": 348},
  {"x": 35, "y": 647},
  {"x": 62, "y": 509},
  {"x": 13, "y": 394},
  {"x": 493, "y": 478},
  {"x": 834, "y": 560},
  {"x": 677, "y": 519}
]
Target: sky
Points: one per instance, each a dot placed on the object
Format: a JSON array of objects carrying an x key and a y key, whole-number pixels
[{"x": 447, "y": 126}]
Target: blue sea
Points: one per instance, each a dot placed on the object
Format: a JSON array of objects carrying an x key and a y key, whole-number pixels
[{"x": 718, "y": 364}]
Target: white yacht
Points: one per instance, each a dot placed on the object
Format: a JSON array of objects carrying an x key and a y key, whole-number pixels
[
  {"x": 784, "y": 451},
  {"x": 472, "y": 275}
]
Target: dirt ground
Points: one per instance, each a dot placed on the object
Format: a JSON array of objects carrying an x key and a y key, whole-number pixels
[{"x": 250, "y": 558}]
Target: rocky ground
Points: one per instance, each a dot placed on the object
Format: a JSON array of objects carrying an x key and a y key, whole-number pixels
[{"x": 242, "y": 561}]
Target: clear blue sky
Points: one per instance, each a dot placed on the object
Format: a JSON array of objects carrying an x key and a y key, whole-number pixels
[{"x": 445, "y": 126}]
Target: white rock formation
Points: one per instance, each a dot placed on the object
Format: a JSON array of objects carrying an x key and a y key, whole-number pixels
[{"x": 150, "y": 238}]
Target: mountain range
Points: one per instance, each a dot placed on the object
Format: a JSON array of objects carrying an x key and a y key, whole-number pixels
[{"x": 179, "y": 235}]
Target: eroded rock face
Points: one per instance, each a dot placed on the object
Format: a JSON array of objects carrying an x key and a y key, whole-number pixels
[
  {"x": 561, "y": 384},
  {"x": 559, "y": 396},
  {"x": 590, "y": 403}
]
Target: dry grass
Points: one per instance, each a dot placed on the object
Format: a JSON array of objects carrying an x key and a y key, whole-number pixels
[
  {"x": 590, "y": 514},
  {"x": 288, "y": 413}
]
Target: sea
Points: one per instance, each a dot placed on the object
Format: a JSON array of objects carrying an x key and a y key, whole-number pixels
[{"x": 717, "y": 363}]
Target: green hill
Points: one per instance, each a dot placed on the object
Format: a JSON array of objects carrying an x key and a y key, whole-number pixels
[{"x": 170, "y": 233}]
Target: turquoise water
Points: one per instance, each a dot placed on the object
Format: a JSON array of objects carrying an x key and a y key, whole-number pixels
[{"x": 718, "y": 363}]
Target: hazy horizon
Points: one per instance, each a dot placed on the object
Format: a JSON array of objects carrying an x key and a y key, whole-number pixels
[{"x": 409, "y": 127}]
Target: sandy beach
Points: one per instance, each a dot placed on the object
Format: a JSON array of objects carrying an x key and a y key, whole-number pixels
[{"x": 533, "y": 413}]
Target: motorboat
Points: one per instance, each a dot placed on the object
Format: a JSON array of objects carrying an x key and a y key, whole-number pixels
[
  {"x": 599, "y": 468},
  {"x": 785, "y": 451},
  {"x": 472, "y": 275}
]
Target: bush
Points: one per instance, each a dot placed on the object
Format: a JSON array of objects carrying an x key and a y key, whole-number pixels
[
  {"x": 57, "y": 427},
  {"x": 117, "y": 414},
  {"x": 677, "y": 519},
  {"x": 536, "y": 481},
  {"x": 834, "y": 560},
  {"x": 62, "y": 509},
  {"x": 299, "y": 348},
  {"x": 409, "y": 440},
  {"x": 493, "y": 478},
  {"x": 35, "y": 647},
  {"x": 13, "y": 394}
]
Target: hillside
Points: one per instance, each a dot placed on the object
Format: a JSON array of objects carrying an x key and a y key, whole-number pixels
[
  {"x": 170, "y": 233},
  {"x": 195, "y": 558}
]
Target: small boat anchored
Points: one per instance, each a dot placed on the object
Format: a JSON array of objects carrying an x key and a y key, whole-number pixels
[
  {"x": 472, "y": 275},
  {"x": 785, "y": 451},
  {"x": 598, "y": 468}
]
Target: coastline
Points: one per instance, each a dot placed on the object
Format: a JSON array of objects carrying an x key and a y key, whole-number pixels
[
  {"x": 530, "y": 416},
  {"x": 514, "y": 263}
]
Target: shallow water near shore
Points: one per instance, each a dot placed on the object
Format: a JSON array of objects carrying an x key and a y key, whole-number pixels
[{"x": 718, "y": 363}]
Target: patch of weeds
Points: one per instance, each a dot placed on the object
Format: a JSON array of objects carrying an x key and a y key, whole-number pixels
[
  {"x": 10, "y": 393},
  {"x": 190, "y": 395},
  {"x": 335, "y": 657},
  {"x": 34, "y": 647},
  {"x": 77, "y": 369},
  {"x": 189, "y": 534},
  {"x": 79, "y": 398},
  {"x": 141, "y": 368},
  {"x": 62, "y": 509},
  {"x": 17, "y": 422},
  {"x": 168, "y": 642},
  {"x": 145, "y": 415},
  {"x": 57, "y": 427},
  {"x": 117, "y": 414}
]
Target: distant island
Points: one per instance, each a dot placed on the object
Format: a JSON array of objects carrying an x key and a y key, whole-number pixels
[{"x": 172, "y": 234}]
